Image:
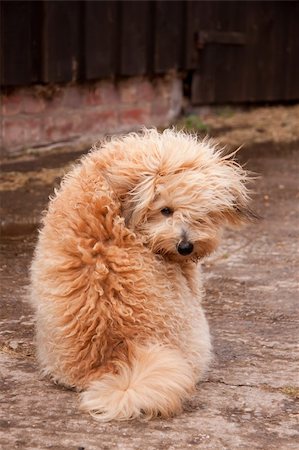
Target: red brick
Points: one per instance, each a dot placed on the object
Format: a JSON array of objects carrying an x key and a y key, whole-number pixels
[
  {"x": 68, "y": 126},
  {"x": 11, "y": 104},
  {"x": 109, "y": 93},
  {"x": 33, "y": 104},
  {"x": 55, "y": 102},
  {"x": 55, "y": 113},
  {"x": 93, "y": 96},
  {"x": 162, "y": 88},
  {"x": 95, "y": 122},
  {"x": 102, "y": 93},
  {"x": 128, "y": 91},
  {"x": 22, "y": 132},
  {"x": 135, "y": 116},
  {"x": 61, "y": 127},
  {"x": 13, "y": 132},
  {"x": 159, "y": 121},
  {"x": 145, "y": 91},
  {"x": 160, "y": 107},
  {"x": 73, "y": 96},
  {"x": 34, "y": 130}
]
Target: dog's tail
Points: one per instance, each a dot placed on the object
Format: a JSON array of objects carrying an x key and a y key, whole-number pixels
[{"x": 155, "y": 382}]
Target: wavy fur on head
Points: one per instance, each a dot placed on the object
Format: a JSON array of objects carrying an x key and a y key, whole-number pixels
[{"x": 115, "y": 283}]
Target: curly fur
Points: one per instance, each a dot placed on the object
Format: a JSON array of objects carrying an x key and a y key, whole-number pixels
[{"x": 118, "y": 309}]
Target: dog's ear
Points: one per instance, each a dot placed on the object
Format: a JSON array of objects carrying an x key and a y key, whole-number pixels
[
  {"x": 239, "y": 215},
  {"x": 136, "y": 201},
  {"x": 246, "y": 214},
  {"x": 234, "y": 185}
]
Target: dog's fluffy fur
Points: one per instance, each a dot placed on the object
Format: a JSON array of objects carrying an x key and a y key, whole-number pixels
[{"x": 118, "y": 309}]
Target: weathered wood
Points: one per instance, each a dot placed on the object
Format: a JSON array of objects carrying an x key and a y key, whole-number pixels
[
  {"x": 233, "y": 51},
  {"x": 16, "y": 62},
  {"x": 100, "y": 49},
  {"x": 231, "y": 43},
  {"x": 191, "y": 34},
  {"x": 61, "y": 41},
  {"x": 36, "y": 41},
  {"x": 169, "y": 41},
  {"x": 247, "y": 52},
  {"x": 220, "y": 37},
  {"x": 292, "y": 54},
  {"x": 134, "y": 37}
]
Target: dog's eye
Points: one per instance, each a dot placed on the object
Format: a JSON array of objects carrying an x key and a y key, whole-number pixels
[{"x": 166, "y": 211}]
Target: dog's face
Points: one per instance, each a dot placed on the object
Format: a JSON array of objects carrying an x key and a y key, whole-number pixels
[
  {"x": 174, "y": 225},
  {"x": 187, "y": 213},
  {"x": 178, "y": 193}
]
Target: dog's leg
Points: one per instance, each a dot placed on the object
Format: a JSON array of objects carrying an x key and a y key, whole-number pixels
[{"x": 154, "y": 381}]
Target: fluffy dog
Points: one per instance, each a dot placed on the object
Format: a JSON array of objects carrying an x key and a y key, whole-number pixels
[{"x": 115, "y": 281}]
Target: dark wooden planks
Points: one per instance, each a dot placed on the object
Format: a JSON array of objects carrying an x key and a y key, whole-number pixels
[
  {"x": 291, "y": 62},
  {"x": 101, "y": 43},
  {"x": 263, "y": 69},
  {"x": 134, "y": 37},
  {"x": 36, "y": 41},
  {"x": 193, "y": 14},
  {"x": 266, "y": 29},
  {"x": 265, "y": 56},
  {"x": 169, "y": 36},
  {"x": 219, "y": 75},
  {"x": 16, "y": 65},
  {"x": 61, "y": 43},
  {"x": 228, "y": 81},
  {"x": 203, "y": 88}
]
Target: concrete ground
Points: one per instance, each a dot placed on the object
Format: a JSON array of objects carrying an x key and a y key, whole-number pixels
[{"x": 249, "y": 399}]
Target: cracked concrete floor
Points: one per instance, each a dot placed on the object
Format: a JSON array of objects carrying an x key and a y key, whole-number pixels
[{"x": 249, "y": 399}]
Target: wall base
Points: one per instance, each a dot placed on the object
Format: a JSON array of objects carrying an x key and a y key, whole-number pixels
[{"x": 39, "y": 116}]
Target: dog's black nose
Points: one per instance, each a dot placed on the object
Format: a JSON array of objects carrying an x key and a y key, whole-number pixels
[{"x": 185, "y": 248}]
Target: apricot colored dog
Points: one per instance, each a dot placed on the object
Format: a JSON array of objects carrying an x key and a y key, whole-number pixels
[{"x": 115, "y": 277}]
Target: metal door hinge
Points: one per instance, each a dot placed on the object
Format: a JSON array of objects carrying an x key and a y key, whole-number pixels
[{"x": 220, "y": 37}]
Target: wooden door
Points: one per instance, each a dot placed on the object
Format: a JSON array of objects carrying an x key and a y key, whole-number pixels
[{"x": 247, "y": 51}]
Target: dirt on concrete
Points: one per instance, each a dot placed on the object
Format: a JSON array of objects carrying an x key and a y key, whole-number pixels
[{"x": 250, "y": 397}]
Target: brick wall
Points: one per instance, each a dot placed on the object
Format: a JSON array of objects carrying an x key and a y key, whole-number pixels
[{"x": 40, "y": 116}]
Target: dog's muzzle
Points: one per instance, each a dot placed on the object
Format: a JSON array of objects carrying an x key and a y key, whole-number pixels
[{"x": 185, "y": 248}]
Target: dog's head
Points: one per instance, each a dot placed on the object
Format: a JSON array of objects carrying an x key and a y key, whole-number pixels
[{"x": 177, "y": 192}]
